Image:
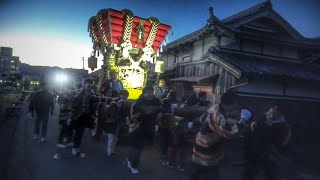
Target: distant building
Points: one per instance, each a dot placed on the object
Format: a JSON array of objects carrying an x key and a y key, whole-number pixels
[
  {"x": 15, "y": 62},
  {"x": 36, "y": 74},
  {"x": 77, "y": 74},
  {"x": 8, "y": 64}
]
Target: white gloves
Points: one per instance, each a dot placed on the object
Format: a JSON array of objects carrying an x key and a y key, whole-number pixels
[
  {"x": 69, "y": 121},
  {"x": 174, "y": 105},
  {"x": 190, "y": 125},
  {"x": 245, "y": 116}
]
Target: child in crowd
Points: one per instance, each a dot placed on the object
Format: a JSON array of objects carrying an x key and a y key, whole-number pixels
[
  {"x": 164, "y": 136},
  {"x": 176, "y": 143},
  {"x": 66, "y": 132},
  {"x": 114, "y": 117},
  {"x": 136, "y": 141},
  {"x": 111, "y": 120}
]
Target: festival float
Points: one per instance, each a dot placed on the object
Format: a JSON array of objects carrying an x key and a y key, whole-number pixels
[{"x": 129, "y": 44}]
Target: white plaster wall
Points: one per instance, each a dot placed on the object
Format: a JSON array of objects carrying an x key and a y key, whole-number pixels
[
  {"x": 197, "y": 50},
  {"x": 168, "y": 61},
  {"x": 180, "y": 57},
  {"x": 183, "y": 57},
  {"x": 208, "y": 42}
]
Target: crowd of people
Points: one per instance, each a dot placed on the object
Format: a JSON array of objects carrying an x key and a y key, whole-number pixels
[{"x": 265, "y": 135}]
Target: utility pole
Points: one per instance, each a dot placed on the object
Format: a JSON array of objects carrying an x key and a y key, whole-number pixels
[{"x": 83, "y": 63}]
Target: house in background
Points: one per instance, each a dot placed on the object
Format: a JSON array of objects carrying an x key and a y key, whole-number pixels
[{"x": 257, "y": 54}]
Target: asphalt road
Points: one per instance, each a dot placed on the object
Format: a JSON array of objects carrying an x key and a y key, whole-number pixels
[
  {"x": 34, "y": 160},
  {"x": 31, "y": 160}
]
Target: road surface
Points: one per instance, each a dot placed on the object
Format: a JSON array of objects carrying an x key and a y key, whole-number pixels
[{"x": 32, "y": 160}]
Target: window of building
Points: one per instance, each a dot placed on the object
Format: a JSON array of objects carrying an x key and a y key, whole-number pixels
[{"x": 186, "y": 58}]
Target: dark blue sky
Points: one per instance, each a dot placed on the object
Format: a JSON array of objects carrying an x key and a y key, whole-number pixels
[{"x": 67, "y": 20}]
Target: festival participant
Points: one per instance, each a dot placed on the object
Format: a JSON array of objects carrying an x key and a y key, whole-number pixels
[
  {"x": 208, "y": 146},
  {"x": 81, "y": 115},
  {"x": 42, "y": 105}
]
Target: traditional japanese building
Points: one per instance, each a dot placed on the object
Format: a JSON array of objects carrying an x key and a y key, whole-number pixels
[{"x": 258, "y": 54}]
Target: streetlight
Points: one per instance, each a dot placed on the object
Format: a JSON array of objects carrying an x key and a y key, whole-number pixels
[{"x": 61, "y": 78}]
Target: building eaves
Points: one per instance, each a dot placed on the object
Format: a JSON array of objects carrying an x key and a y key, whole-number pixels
[
  {"x": 227, "y": 25},
  {"x": 262, "y": 9},
  {"x": 284, "y": 22},
  {"x": 271, "y": 39},
  {"x": 264, "y": 66},
  {"x": 187, "y": 38},
  {"x": 222, "y": 24}
]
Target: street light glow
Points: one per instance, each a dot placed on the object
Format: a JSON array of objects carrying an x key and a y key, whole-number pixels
[{"x": 61, "y": 77}]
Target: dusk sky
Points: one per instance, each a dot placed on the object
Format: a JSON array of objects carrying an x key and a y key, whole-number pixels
[{"x": 54, "y": 33}]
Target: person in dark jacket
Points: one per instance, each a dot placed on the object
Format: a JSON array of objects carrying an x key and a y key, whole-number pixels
[
  {"x": 124, "y": 106},
  {"x": 143, "y": 117},
  {"x": 149, "y": 107},
  {"x": 111, "y": 120},
  {"x": 65, "y": 135},
  {"x": 81, "y": 114},
  {"x": 270, "y": 134},
  {"x": 112, "y": 87},
  {"x": 160, "y": 89},
  {"x": 136, "y": 142},
  {"x": 176, "y": 143},
  {"x": 164, "y": 136},
  {"x": 170, "y": 102},
  {"x": 202, "y": 99},
  {"x": 42, "y": 104}
]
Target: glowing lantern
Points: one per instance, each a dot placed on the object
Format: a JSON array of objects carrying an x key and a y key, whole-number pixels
[{"x": 92, "y": 62}]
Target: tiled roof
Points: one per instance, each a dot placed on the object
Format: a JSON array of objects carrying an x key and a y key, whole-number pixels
[
  {"x": 254, "y": 9},
  {"x": 194, "y": 35},
  {"x": 209, "y": 78},
  {"x": 187, "y": 38},
  {"x": 250, "y": 64},
  {"x": 227, "y": 24}
]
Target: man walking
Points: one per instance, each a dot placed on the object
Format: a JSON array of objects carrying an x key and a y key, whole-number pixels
[
  {"x": 81, "y": 114},
  {"x": 43, "y": 104}
]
